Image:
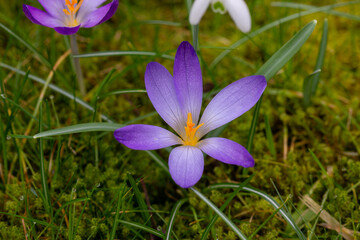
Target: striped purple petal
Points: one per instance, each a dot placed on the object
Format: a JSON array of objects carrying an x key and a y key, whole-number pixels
[
  {"x": 188, "y": 80},
  {"x": 186, "y": 165},
  {"x": 231, "y": 102},
  {"x": 145, "y": 137},
  {"x": 40, "y": 17},
  {"x": 227, "y": 151},
  {"x": 161, "y": 90}
]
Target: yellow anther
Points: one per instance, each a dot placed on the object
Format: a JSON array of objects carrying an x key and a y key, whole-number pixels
[
  {"x": 72, "y": 10},
  {"x": 190, "y": 138}
]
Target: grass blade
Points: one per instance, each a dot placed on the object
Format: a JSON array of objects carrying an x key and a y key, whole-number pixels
[
  {"x": 269, "y": 199},
  {"x": 124, "y": 53},
  {"x": 274, "y": 24},
  {"x": 307, "y": 87},
  {"x": 143, "y": 227},
  {"x": 121, "y": 194},
  {"x": 80, "y": 128},
  {"x": 27, "y": 44},
  {"x": 321, "y": 56},
  {"x": 140, "y": 200},
  {"x": 172, "y": 217},
  {"x": 56, "y": 89},
  {"x": 221, "y": 214},
  {"x": 275, "y": 63}
]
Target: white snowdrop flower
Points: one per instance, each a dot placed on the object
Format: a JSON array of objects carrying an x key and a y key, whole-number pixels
[{"x": 237, "y": 9}]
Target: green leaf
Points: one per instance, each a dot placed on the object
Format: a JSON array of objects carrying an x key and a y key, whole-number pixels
[
  {"x": 28, "y": 45},
  {"x": 221, "y": 214},
  {"x": 321, "y": 57},
  {"x": 275, "y": 63},
  {"x": 269, "y": 199},
  {"x": 140, "y": 200},
  {"x": 80, "y": 128},
  {"x": 274, "y": 24},
  {"x": 307, "y": 87},
  {"x": 56, "y": 89},
  {"x": 172, "y": 217},
  {"x": 143, "y": 227},
  {"x": 124, "y": 53}
]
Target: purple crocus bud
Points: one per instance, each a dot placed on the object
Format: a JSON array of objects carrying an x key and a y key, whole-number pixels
[
  {"x": 67, "y": 16},
  {"x": 178, "y": 101}
]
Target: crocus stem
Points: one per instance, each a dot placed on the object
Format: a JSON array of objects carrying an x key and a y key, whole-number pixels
[{"x": 79, "y": 74}]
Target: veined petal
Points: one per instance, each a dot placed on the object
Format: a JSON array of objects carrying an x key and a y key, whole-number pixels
[
  {"x": 239, "y": 12},
  {"x": 54, "y": 8},
  {"x": 40, "y": 17},
  {"x": 145, "y": 137},
  {"x": 186, "y": 165},
  {"x": 231, "y": 102},
  {"x": 67, "y": 30},
  {"x": 161, "y": 90},
  {"x": 188, "y": 80},
  {"x": 226, "y": 151},
  {"x": 90, "y": 16},
  {"x": 198, "y": 10}
]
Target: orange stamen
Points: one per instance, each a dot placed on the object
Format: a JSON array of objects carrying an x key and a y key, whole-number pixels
[
  {"x": 190, "y": 131},
  {"x": 72, "y": 10}
]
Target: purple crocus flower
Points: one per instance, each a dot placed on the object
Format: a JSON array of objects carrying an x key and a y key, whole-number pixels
[
  {"x": 67, "y": 16},
  {"x": 178, "y": 101}
]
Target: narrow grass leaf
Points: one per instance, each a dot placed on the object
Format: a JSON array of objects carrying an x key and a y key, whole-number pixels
[
  {"x": 102, "y": 85},
  {"x": 143, "y": 227},
  {"x": 158, "y": 160},
  {"x": 124, "y": 53},
  {"x": 56, "y": 89},
  {"x": 27, "y": 44},
  {"x": 307, "y": 87},
  {"x": 222, "y": 208},
  {"x": 306, "y": 7},
  {"x": 274, "y": 24},
  {"x": 275, "y": 63},
  {"x": 320, "y": 57},
  {"x": 121, "y": 92},
  {"x": 221, "y": 214},
  {"x": 269, "y": 199},
  {"x": 117, "y": 213},
  {"x": 140, "y": 200},
  {"x": 80, "y": 128},
  {"x": 69, "y": 203},
  {"x": 172, "y": 217}
]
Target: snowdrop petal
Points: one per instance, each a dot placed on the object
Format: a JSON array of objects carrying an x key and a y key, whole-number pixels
[
  {"x": 145, "y": 137},
  {"x": 239, "y": 12},
  {"x": 198, "y": 10},
  {"x": 186, "y": 165},
  {"x": 231, "y": 102},
  {"x": 226, "y": 151}
]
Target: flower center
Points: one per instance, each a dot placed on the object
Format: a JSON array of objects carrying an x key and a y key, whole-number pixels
[
  {"x": 190, "y": 139},
  {"x": 218, "y": 6},
  {"x": 72, "y": 10}
]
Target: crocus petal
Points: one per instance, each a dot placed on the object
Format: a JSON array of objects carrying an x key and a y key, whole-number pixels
[
  {"x": 54, "y": 8},
  {"x": 145, "y": 137},
  {"x": 231, "y": 102},
  {"x": 67, "y": 30},
  {"x": 92, "y": 16},
  {"x": 239, "y": 12},
  {"x": 161, "y": 90},
  {"x": 188, "y": 80},
  {"x": 40, "y": 17},
  {"x": 226, "y": 151},
  {"x": 198, "y": 10},
  {"x": 186, "y": 165}
]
